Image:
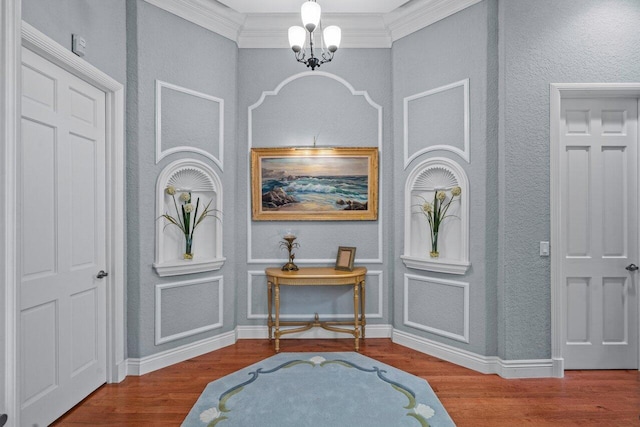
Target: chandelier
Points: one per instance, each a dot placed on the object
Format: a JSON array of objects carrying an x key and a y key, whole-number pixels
[{"x": 310, "y": 12}]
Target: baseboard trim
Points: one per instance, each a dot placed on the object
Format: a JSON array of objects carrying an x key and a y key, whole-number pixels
[
  {"x": 121, "y": 371},
  {"x": 166, "y": 358},
  {"x": 558, "y": 367},
  {"x": 511, "y": 369},
  {"x": 262, "y": 332},
  {"x": 535, "y": 368}
]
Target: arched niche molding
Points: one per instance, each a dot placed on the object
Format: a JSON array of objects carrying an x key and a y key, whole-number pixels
[
  {"x": 196, "y": 177},
  {"x": 425, "y": 179}
]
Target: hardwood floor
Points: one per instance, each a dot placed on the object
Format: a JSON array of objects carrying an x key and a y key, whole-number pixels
[{"x": 584, "y": 398}]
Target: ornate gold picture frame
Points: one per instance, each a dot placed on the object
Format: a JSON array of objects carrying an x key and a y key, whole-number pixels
[{"x": 314, "y": 184}]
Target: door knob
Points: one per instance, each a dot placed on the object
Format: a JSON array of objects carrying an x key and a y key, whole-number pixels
[
  {"x": 631, "y": 267},
  {"x": 101, "y": 274}
]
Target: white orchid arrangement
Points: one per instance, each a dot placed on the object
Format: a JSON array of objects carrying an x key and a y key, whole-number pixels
[
  {"x": 436, "y": 212},
  {"x": 187, "y": 218}
]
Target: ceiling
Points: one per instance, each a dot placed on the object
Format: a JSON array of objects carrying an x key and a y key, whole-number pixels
[
  {"x": 328, "y": 6},
  {"x": 264, "y": 23}
]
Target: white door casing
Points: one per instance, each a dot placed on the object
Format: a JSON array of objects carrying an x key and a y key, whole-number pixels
[
  {"x": 594, "y": 161},
  {"x": 62, "y": 236},
  {"x": 10, "y": 12},
  {"x": 115, "y": 255}
]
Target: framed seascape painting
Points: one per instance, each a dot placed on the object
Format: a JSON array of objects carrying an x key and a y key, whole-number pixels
[{"x": 314, "y": 184}]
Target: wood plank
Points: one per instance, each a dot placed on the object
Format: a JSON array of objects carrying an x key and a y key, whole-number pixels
[{"x": 584, "y": 398}]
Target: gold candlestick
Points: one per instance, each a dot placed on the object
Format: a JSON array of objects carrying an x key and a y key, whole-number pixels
[{"x": 288, "y": 244}]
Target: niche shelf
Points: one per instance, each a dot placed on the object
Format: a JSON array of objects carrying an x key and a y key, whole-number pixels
[
  {"x": 425, "y": 179},
  {"x": 196, "y": 177}
]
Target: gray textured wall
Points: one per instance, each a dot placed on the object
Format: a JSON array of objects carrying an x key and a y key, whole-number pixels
[
  {"x": 540, "y": 42},
  {"x": 543, "y": 42},
  {"x": 101, "y": 23},
  {"x": 167, "y": 48},
  {"x": 304, "y": 108},
  {"x": 459, "y": 47}
]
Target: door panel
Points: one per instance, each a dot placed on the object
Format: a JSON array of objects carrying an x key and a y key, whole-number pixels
[
  {"x": 599, "y": 214},
  {"x": 83, "y": 205},
  {"x": 62, "y": 227},
  {"x": 578, "y": 188},
  {"x": 615, "y": 309},
  {"x": 614, "y": 207},
  {"x": 578, "y": 315},
  {"x": 39, "y": 376},
  {"x": 39, "y": 199},
  {"x": 83, "y": 330}
]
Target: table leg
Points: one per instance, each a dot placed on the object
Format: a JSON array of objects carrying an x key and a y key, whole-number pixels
[
  {"x": 363, "y": 321},
  {"x": 356, "y": 316},
  {"x": 277, "y": 332},
  {"x": 270, "y": 305}
]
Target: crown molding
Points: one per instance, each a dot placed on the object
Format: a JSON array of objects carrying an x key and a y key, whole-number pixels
[
  {"x": 422, "y": 13},
  {"x": 271, "y": 31},
  {"x": 374, "y": 30},
  {"x": 208, "y": 14}
]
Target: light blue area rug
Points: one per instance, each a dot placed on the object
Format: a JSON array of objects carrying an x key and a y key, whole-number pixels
[{"x": 318, "y": 390}]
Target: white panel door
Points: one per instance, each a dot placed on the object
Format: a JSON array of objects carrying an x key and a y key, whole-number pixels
[
  {"x": 62, "y": 324},
  {"x": 599, "y": 219}
]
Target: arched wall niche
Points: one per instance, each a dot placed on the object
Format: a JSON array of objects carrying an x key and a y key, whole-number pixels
[
  {"x": 428, "y": 177},
  {"x": 197, "y": 178}
]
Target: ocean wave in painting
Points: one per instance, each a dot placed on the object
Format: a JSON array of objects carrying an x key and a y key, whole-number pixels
[{"x": 325, "y": 190}]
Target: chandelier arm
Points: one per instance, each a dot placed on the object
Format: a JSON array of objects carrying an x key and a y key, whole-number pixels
[
  {"x": 327, "y": 57},
  {"x": 300, "y": 56}
]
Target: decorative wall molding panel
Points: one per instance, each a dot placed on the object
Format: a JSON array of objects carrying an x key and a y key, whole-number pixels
[
  {"x": 162, "y": 153},
  {"x": 378, "y": 114},
  {"x": 462, "y": 152},
  {"x": 159, "y": 313},
  {"x": 306, "y": 74},
  {"x": 434, "y": 301},
  {"x": 263, "y": 299},
  {"x": 425, "y": 179},
  {"x": 196, "y": 177}
]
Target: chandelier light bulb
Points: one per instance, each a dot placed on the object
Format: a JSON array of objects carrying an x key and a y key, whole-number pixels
[
  {"x": 310, "y": 12},
  {"x": 297, "y": 36},
  {"x": 332, "y": 35},
  {"x": 315, "y": 54}
]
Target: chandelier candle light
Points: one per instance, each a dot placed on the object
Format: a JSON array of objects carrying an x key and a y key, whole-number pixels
[{"x": 310, "y": 12}]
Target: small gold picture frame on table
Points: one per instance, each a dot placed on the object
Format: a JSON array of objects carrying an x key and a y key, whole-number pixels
[{"x": 345, "y": 258}]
